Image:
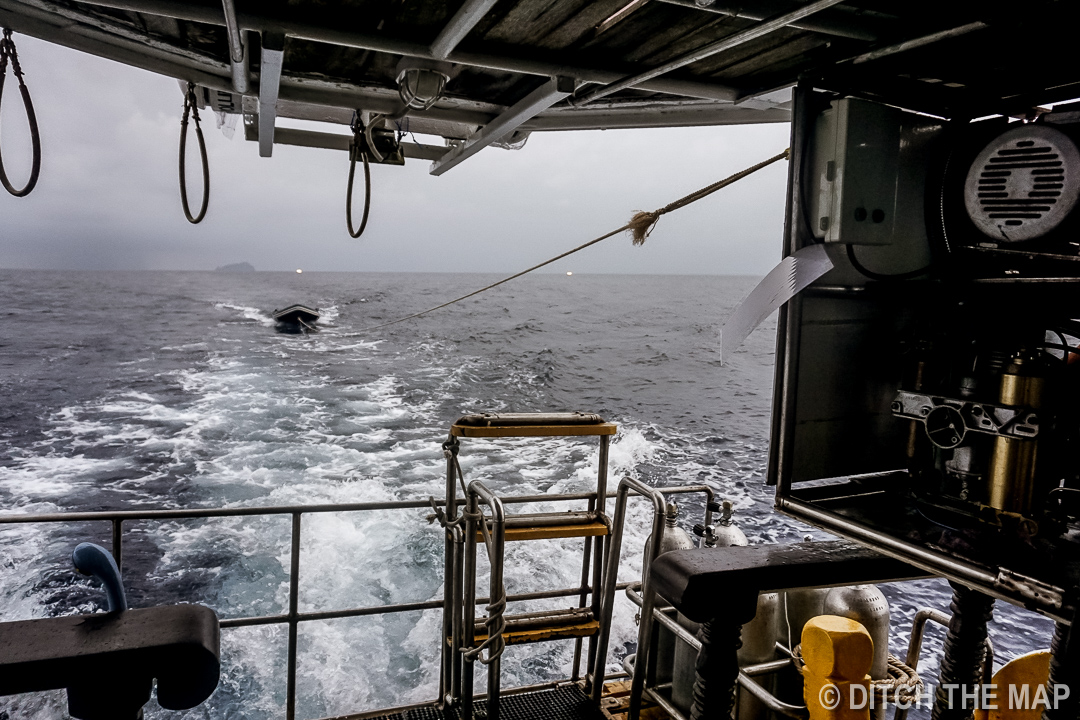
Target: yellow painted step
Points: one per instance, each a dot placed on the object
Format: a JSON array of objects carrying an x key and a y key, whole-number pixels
[
  {"x": 550, "y": 532},
  {"x": 586, "y": 628},
  {"x": 501, "y": 431}
]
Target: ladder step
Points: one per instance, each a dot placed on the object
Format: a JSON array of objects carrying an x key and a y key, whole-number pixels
[
  {"x": 533, "y": 430},
  {"x": 543, "y": 626},
  {"x": 534, "y": 635},
  {"x": 584, "y": 628},
  {"x": 550, "y": 532}
]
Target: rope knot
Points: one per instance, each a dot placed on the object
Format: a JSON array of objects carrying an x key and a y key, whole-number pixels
[
  {"x": 9, "y": 53},
  {"x": 450, "y": 448},
  {"x": 642, "y": 224}
]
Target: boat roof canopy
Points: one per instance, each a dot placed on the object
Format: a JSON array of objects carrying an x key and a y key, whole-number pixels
[{"x": 518, "y": 66}]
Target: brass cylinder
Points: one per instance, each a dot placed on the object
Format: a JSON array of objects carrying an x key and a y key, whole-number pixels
[
  {"x": 915, "y": 426},
  {"x": 1012, "y": 465}
]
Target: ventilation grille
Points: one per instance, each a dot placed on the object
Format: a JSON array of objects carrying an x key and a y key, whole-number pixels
[{"x": 1023, "y": 184}]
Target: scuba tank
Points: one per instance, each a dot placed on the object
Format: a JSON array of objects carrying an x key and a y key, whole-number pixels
[
  {"x": 867, "y": 605},
  {"x": 724, "y": 534},
  {"x": 796, "y": 607},
  {"x": 674, "y": 538}
]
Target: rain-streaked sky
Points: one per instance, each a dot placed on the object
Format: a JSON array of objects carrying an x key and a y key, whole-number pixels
[{"x": 108, "y": 194}]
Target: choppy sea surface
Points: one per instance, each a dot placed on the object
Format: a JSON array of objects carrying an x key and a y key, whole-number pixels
[{"x": 169, "y": 390}]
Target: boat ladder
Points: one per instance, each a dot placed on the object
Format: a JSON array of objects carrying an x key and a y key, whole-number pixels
[{"x": 468, "y": 638}]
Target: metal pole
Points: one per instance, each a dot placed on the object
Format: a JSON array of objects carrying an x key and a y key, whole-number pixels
[
  {"x": 469, "y": 605},
  {"x": 498, "y": 541},
  {"x": 835, "y": 25},
  {"x": 294, "y": 591},
  {"x": 583, "y": 598},
  {"x": 599, "y": 588},
  {"x": 238, "y": 62},
  {"x": 236, "y": 45},
  {"x": 464, "y": 20},
  {"x": 456, "y": 603},
  {"x": 646, "y": 671},
  {"x": 918, "y": 628},
  {"x": 451, "y": 614},
  {"x": 918, "y": 42},
  {"x": 117, "y": 542},
  {"x": 477, "y": 490},
  {"x": 611, "y": 569},
  {"x": 739, "y": 38}
]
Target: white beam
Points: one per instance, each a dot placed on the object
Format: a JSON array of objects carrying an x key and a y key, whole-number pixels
[
  {"x": 273, "y": 54},
  {"x": 731, "y": 41},
  {"x": 534, "y": 103},
  {"x": 337, "y": 141},
  {"x": 464, "y": 20}
]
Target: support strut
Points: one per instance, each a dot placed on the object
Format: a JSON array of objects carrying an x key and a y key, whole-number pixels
[
  {"x": 1063, "y": 687},
  {"x": 965, "y": 654},
  {"x": 717, "y": 670}
]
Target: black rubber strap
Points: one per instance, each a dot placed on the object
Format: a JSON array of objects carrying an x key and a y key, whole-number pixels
[
  {"x": 190, "y": 109},
  {"x": 357, "y": 149},
  {"x": 7, "y": 53}
]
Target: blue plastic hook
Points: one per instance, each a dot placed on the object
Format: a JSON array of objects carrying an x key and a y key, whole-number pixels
[{"x": 96, "y": 561}]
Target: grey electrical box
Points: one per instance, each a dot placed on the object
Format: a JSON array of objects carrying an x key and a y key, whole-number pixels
[{"x": 855, "y": 172}]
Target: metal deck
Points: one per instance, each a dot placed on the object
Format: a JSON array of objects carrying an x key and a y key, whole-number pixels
[{"x": 562, "y": 703}]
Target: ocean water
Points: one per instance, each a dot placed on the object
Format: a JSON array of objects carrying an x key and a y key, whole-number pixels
[{"x": 146, "y": 390}]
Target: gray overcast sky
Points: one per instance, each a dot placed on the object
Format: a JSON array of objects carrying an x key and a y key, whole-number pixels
[{"x": 108, "y": 194}]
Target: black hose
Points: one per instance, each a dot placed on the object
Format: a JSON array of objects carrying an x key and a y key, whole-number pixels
[
  {"x": 964, "y": 652},
  {"x": 7, "y": 52},
  {"x": 356, "y": 150},
  {"x": 191, "y": 109}
]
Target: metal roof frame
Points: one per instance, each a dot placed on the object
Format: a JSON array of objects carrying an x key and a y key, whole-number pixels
[{"x": 632, "y": 63}]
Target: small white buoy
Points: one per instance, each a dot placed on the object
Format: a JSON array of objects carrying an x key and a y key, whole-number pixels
[
  {"x": 298, "y": 271},
  {"x": 569, "y": 273}
]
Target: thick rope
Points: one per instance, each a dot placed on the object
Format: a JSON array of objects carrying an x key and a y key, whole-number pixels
[
  {"x": 641, "y": 224},
  {"x": 191, "y": 109},
  {"x": 8, "y": 53},
  {"x": 903, "y": 684}
]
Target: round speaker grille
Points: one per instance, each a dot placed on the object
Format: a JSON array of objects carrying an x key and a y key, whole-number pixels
[{"x": 1023, "y": 184}]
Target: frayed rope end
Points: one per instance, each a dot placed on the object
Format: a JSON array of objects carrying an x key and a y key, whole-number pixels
[{"x": 641, "y": 225}]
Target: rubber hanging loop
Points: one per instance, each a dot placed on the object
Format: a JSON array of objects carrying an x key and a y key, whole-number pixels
[
  {"x": 191, "y": 109},
  {"x": 358, "y": 148},
  {"x": 8, "y": 52}
]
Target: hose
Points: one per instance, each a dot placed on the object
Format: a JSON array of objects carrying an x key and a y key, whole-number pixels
[
  {"x": 8, "y": 52},
  {"x": 191, "y": 109},
  {"x": 358, "y": 148}
]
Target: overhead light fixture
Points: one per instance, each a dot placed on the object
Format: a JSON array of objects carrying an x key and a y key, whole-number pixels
[{"x": 421, "y": 87}]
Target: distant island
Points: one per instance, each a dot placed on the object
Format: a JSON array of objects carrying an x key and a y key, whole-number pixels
[{"x": 236, "y": 268}]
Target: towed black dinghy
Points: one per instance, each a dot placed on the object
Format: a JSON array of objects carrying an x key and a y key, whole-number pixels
[{"x": 296, "y": 318}]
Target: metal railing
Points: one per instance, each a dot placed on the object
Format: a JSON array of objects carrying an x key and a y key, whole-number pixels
[{"x": 293, "y": 617}]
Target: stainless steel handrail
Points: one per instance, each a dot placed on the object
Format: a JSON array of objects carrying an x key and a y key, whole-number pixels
[
  {"x": 479, "y": 492},
  {"x": 293, "y": 616},
  {"x": 915, "y": 642},
  {"x": 627, "y": 486}
]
